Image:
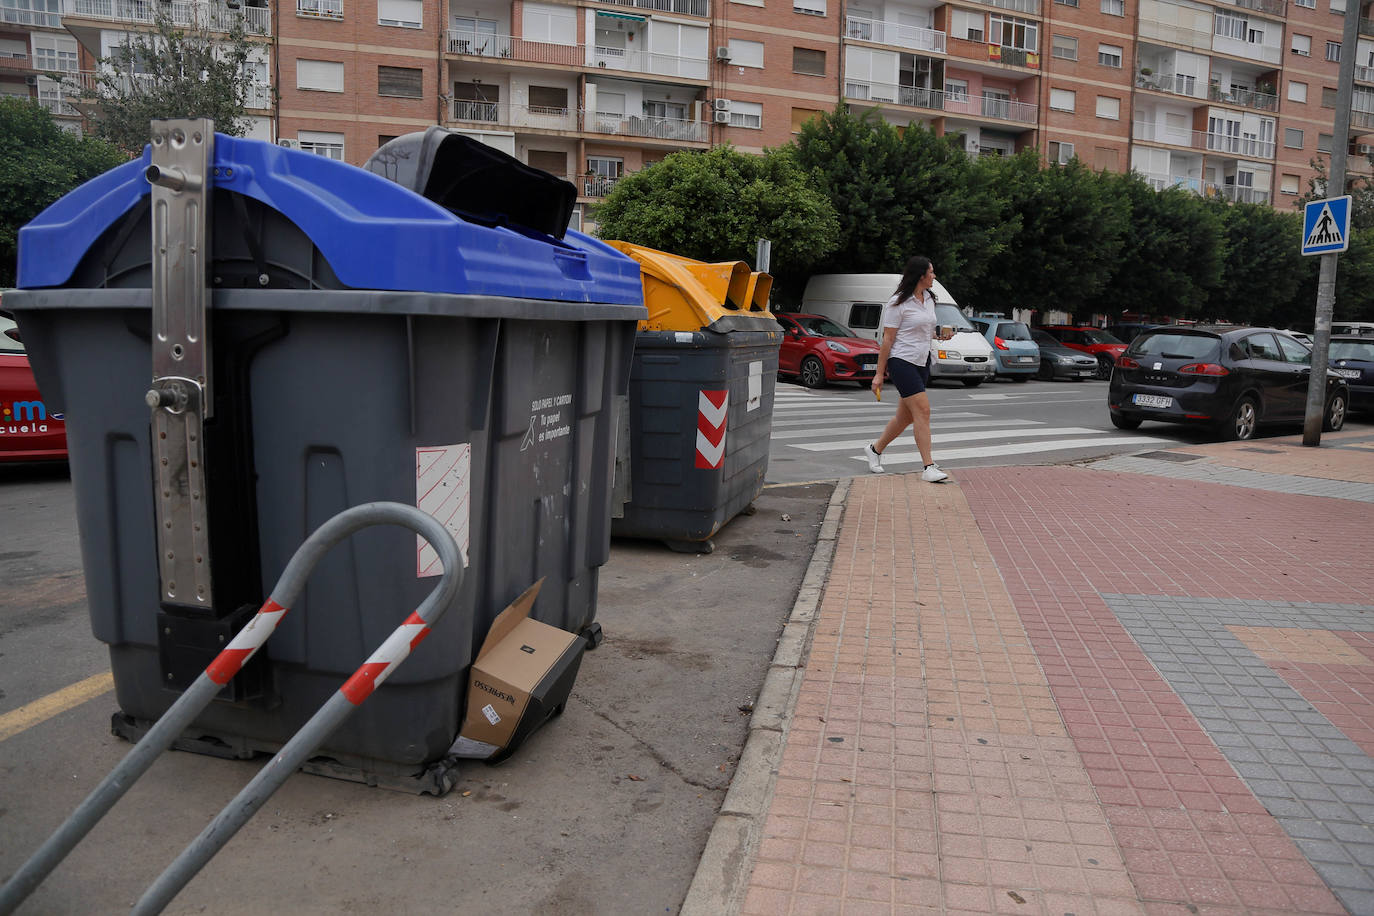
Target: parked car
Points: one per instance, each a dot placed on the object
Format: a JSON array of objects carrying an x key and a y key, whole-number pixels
[
  {"x": 1233, "y": 379},
  {"x": 1016, "y": 356},
  {"x": 1059, "y": 361},
  {"x": 1352, "y": 329},
  {"x": 1127, "y": 331},
  {"x": 817, "y": 350},
  {"x": 1301, "y": 338},
  {"x": 1352, "y": 358},
  {"x": 1102, "y": 345},
  {"x": 28, "y": 431}
]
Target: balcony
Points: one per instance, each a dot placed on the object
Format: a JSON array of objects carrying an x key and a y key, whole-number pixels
[
  {"x": 1172, "y": 33},
  {"x": 473, "y": 44},
  {"x": 216, "y": 17},
  {"x": 1260, "y": 101},
  {"x": 1362, "y": 119},
  {"x": 598, "y": 185},
  {"x": 1247, "y": 147},
  {"x": 900, "y": 36},
  {"x": 1268, "y": 7},
  {"x": 509, "y": 115},
  {"x": 683, "y": 7},
  {"x": 14, "y": 13},
  {"x": 1019, "y": 6},
  {"x": 981, "y": 106},
  {"x": 319, "y": 9},
  {"x": 1364, "y": 74},
  {"x": 15, "y": 62},
  {"x": 1013, "y": 57},
  {"x": 650, "y": 62},
  {"x": 651, "y": 128},
  {"x": 1172, "y": 83}
]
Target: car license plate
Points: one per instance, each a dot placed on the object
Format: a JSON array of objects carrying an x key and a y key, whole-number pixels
[
  {"x": 1027, "y": 359},
  {"x": 1151, "y": 400},
  {"x": 1087, "y": 373},
  {"x": 1348, "y": 373}
]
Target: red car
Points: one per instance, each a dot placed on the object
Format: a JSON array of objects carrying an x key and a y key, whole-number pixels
[
  {"x": 817, "y": 350},
  {"x": 28, "y": 431},
  {"x": 1099, "y": 343}
]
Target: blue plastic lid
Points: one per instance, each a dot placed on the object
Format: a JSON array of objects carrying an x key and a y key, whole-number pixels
[{"x": 374, "y": 233}]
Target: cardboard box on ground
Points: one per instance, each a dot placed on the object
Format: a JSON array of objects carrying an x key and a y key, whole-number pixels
[{"x": 521, "y": 679}]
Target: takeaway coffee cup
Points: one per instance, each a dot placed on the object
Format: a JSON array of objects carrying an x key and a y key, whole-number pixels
[{"x": 944, "y": 331}]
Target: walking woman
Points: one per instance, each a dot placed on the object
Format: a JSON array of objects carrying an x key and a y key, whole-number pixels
[{"x": 908, "y": 326}]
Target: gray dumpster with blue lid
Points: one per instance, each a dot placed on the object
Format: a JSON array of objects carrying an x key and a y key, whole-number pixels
[{"x": 363, "y": 343}]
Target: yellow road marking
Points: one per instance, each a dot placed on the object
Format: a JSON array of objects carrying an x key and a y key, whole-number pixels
[{"x": 40, "y": 710}]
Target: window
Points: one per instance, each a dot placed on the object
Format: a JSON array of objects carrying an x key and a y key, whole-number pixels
[
  {"x": 1324, "y": 143},
  {"x": 1105, "y": 159},
  {"x": 1288, "y": 184},
  {"x": 1307, "y": 4},
  {"x": 1061, "y": 100},
  {"x": 1229, "y": 25},
  {"x": 808, "y": 61},
  {"x": 801, "y": 115},
  {"x": 865, "y": 315},
  {"x": 322, "y": 143},
  {"x": 1010, "y": 32},
  {"x": 52, "y": 53},
  {"x": 1293, "y": 352},
  {"x": 966, "y": 25},
  {"x": 1109, "y": 56},
  {"x": 320, "y": 75},
  {"x": 1060, "y": 153},
  {"x": 477, "y": 101},
  {"x": 1261, "y": 346},
  {"x": 400, "y": 81},
  {"x": 809, "y": 7},
  {"x": 1114, "y": 7},
  {"x": 384, "y": 139},
  {"x": 1292, "y": 138},
  {"x": 1333, "y": 51},
  {"x": 319, "y": 9},
  {"x": 956, "y": 90},
  {"x": 1302, "y": 45},
  {"x": 1067, "y": 2},
  {"x": 746, "y": 53},
  {"x": 543, "y": 22},
  {"x": 1109, "y": 108},
  {"x": 1328, "y": 97},
  {"x": 1338, "y": 7},
  {"x": 746, "y": 114},
  {"x": 605, "y": 166},
  {"x": 1297, "y": 92},
  {"x": 548, "y": 100},
  {"x": 407, "y": 14},
  {"x": 1065, "y": 47},
  {"x": 553, "y": 161},
  {"x": 32, "y": 12}
]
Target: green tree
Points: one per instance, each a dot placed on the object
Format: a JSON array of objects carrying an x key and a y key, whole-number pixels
[
  {"x": 39, "y": 162},
  {"x": 1262, "y": 268},
  {"x": 1072, "y": 223},
  {"x": 900, "y": 194},
  {"x": 1360, "y": 189},
  {"x": 174, "y": 72},
  {"x": 1354, "y": 267},
  {"x": 1172, "y": 252},
  {"x": 716, "y": 205}
]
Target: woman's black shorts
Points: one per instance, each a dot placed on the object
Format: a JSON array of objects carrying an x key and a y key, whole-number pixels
[{"x": 909, "y": 378}]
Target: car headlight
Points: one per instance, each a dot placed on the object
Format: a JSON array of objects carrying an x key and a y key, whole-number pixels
[
  {"x": 947, "y": 354},
  {"x": 837, "y": 347},
  {"x": 1065, "y": 360}
]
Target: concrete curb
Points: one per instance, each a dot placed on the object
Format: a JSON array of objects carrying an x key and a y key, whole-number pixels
[{"x": 722, "y": 875}]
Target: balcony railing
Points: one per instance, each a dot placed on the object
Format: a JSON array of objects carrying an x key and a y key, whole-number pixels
[
  {"x": 468, "y": 42},
  {"x": 1249, "y": 147},
  {"x": 1364, "y": 74},
  {"x": 1261, "y": 101},
  {"x": 506, "y": 114},
  {"x": 901, "y": 36},
  {"x": 1269, "y": 7},
  {"x": 1238, "y": 193},
  {"x": 1153, "y": 133},
  {"x": 14, "y": 14},
  {"x": 319, "y": 9},
  {"x": 1363, "y": 119},
  {"x": 655, "y": 128},
  {"x": 15, "y": 62},
  {"x": 983, "y": 106},
  {"x": 685, "y": 7},
  {"x": 216, "y": 17},
  {"x": 1172, "y": 83},
  {"x": 1367, "y": 26},
  {"x": 598, "y": 185},
  {"x": 1156, "y": 30},
  {"x": 650, "y": 62}
]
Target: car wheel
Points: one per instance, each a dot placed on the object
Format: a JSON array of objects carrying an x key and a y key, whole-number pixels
[
  {"x": 1104, "y": 368},
  {"x": 1334, "y": 417},
  {"x": 972, "y": 382},
  {"x": 1121, "y": 422},
  {"x": 1242, "y": 421},
  {"x": 1046, "y": 373},
  {"x": 812, "y": 373}
]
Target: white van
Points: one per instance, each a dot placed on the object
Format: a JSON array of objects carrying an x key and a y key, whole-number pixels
[
  {"x": 856, "y": 301},
  {"x": 1356, "y": 328}
]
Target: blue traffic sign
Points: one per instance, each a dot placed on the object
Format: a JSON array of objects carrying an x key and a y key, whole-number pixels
[{"x": 1326, "y": 226}]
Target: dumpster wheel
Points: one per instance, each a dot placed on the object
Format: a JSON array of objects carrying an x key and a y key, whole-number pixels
[{"x": 705, "y": 546}]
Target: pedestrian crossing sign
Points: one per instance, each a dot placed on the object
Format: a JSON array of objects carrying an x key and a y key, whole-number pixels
[{"x": 1326, "y": 226}]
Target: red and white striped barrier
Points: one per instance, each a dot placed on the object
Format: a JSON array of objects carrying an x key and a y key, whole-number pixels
[{"x": 713, "y": 407}]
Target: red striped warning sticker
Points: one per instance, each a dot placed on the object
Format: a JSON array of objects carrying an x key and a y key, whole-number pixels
[
  {"x": 712, "y": 409},
  {"x": 443, "y": 488}
]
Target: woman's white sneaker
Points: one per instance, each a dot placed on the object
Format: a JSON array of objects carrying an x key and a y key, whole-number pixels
[
  {"x": 875, "y": 460},
  {"x": 932, "y": 474}
]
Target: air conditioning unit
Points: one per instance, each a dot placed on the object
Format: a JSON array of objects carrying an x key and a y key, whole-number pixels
[
  {"x": 722, "y": 117},
  {"x": 289, "y": 144},
  {"x": 723, "y": 52},
  {"x": 1364, "y": 149},
  {"x": 720, "y": 104},
  {"x": 30, "y": 81}
]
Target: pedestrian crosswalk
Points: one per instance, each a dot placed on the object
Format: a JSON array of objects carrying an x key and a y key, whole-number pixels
[{"x": 832, "y": 426}]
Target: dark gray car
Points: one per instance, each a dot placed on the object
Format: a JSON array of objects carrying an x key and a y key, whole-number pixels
[{"x": 1058, "y": 361}]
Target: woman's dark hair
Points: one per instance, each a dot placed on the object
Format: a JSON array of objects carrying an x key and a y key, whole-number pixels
[{"x": 915, "y": 269}]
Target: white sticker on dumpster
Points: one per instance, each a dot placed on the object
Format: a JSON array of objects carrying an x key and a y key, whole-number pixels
[
  {"x": 755, "y": 385},
  {"x": 443, "y": 488},
  {"x": 492, "y": 715},
  {"x": 684, "y": 336},
  {"x": 550, "y": 418}
]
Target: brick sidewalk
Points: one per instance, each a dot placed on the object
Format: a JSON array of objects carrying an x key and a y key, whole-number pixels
[{"x": 1066, "y": 690}]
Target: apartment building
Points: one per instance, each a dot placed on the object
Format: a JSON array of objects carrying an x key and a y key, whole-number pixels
[{"x": 1224, "y": 97}]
